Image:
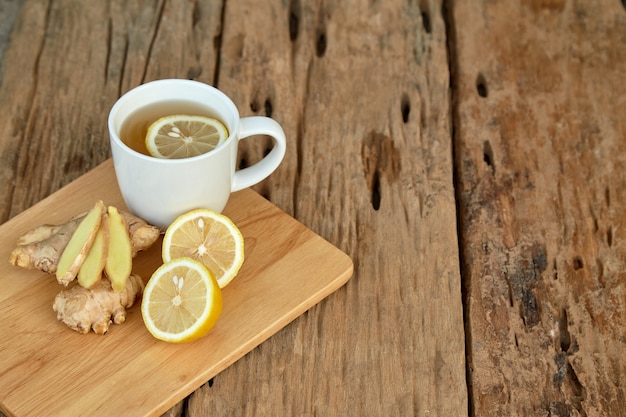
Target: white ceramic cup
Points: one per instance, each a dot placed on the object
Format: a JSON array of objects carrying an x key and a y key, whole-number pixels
[{"x": 159, "y": 190}]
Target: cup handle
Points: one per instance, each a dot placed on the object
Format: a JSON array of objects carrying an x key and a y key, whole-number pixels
[{"x": 260, "y": 125}]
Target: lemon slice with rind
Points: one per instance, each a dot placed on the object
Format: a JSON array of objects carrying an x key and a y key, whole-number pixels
[
  {"x": 208, "y": 237},
  {"x": 183, "y": 136},
  {"x": 181, "y": 301}
]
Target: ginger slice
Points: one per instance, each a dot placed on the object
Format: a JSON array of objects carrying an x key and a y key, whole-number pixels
[
  {"x": 79, "y": 245},
  {"x": 90, "y": 271},
  {"x": 41, "y": 247},
  {"x": 119, "y": 261},
  {"x": 82, "y": 309}
]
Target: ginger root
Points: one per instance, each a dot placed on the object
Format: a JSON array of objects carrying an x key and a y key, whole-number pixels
[
  {"x": 41, "y": 247},
  {"x": 90, "y": 246},
  {"x": 83, "y": 309}
]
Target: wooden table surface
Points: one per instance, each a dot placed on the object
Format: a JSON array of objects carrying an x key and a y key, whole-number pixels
[{"x": 470, "y": 157}]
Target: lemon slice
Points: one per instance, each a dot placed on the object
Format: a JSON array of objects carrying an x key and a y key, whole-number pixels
[
  {"x": 183, "y": 136},
  {"x": 209, "y": 237},
  {"x": 181, "y": 301}
]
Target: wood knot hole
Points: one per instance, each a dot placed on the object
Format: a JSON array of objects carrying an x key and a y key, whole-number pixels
[
  {"x": 488, "y": 155},
  {"x": 381, "y": 160},
  {"x": 375, "y": 198},
  {"x": 565, "y": 338},
  {"x": 268, "y": 107},
  {"x": 426, "y": 21},
  {"x": 481, "y": 86},
  {"x": 405, "y": 107},
  {"x": 578, "y": 263},
  {"x": 294, "y": 19},
  {"x": 320, "y": 43}
]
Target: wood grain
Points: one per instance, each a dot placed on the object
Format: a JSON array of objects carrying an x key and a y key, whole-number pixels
[
  {"x": 362, "y": 90},
  {"x": 540, "y": 143},
  {"x": 287, "y": 270}
]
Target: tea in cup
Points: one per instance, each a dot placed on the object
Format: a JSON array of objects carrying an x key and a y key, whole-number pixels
[{"x": 159, "y": 189}]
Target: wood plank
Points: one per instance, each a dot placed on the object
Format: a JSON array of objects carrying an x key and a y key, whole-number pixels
[
  {"x": 540, "y": 143},
  {"x": 362, "y": 90}
]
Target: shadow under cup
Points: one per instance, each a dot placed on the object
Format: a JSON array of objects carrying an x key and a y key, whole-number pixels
[{"x": 159, "y": 190}]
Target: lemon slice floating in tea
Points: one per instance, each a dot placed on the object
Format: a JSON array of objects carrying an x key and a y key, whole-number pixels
[
  {"x": 183, "y": 136},
  {"x": 209, "y": 237},
  {"x": 181, "y": 301}
]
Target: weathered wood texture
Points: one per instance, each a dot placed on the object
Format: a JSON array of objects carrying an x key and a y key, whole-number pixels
[
  {"x": 8, "y": 11},
  {"x": 540, "y": 152},
  {"x": 362, "y": 90},
  {"x": 66, "y": 64}
]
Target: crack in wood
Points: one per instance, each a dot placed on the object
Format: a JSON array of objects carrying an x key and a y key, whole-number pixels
[
  {"x": 380, "y": 159},
  {"x": 526, "y": 271},
  {"x": 405, "y": 107},
  {"x": 294, "y": 19},
  {"x": 481, "y": 86},
  {"x": 320, "y": 42},
  {"x": 217, "y": 44},
  {"x": 566, "y": 380},
  {"x": 152, "y": 41},
  {"x": 565, "y": 339},
  {"x": 488, "y": 155},
  {"x": 578, "y": 263},
  {"x": 424, "y": 10}
]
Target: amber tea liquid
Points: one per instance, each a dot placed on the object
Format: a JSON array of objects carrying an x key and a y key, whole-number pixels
[{"x": 134, "y": 129}]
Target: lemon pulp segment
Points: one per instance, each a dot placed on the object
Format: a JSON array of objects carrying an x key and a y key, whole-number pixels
[
  {"x": 181, "y": 301},
  {"x": 183, "y": 136},
  {"x": 209, "y": 237}
]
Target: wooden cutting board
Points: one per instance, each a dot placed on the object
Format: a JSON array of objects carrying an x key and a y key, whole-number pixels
[{"x": 47, "y": 369}]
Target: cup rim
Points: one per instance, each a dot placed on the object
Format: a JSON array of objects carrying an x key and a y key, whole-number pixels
[{"x": 115, "y": 137}]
